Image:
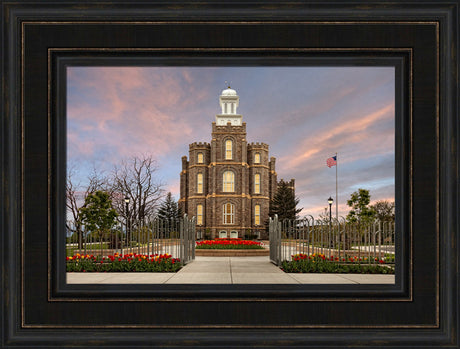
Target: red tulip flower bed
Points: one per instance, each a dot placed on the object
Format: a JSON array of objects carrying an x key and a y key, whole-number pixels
[
  {"x": 229, "y": 244},
  {"x": 131, "y": 262},
  {"x": 319, "y": 263}
]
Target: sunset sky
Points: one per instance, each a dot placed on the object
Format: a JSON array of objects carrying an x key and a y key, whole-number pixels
[{"x": 305, "y": 114}]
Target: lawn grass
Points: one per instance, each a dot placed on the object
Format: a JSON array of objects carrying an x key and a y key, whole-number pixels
[{"x": 332, "y": 267}]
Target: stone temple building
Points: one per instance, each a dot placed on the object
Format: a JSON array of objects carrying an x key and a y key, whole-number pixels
[{"x": 228, "y": 184}]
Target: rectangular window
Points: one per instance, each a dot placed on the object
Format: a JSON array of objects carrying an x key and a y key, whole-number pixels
[
  {"x": 257, "y": 214},
  {"x": 228, "y": 182},
  {"x": 257, "y": 183},
  {"x": 229, "y": 213},
  {"x": 199, "y": 214},
  {"x": 228, "y": 149},
  {"x": 200, "y": 158},
  {"x": 257, "y": 158},
  {"x": 199, "y": 182}
]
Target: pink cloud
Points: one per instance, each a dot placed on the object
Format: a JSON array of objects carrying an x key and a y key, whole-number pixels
[
  {"x": 174, "y": 188},
  {"x": 315, "y": 210},
  {"x": 324, "y": 103},
  {"x": 132, "y": 114},
  {"x": 187, "y": 76},
  {"x": 333, "y": 138},
  {"x": 76, "y": 146}
]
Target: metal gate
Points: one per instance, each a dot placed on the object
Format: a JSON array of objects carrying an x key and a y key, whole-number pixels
[
  {"x": 187, "y": 239},
  {"x": 336, "y": 240},
  {"x": 175, "y": 237},
  {"x": 274, "y": 234}
]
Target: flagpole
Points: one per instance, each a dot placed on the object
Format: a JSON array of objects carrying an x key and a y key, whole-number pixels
[{"x": 336, "y": 190}]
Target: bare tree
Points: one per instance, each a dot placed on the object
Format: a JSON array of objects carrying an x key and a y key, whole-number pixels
[
  {"x": 324, "y": 216},
  {"x": 384, "y": 210},
  {"x": 134, "y": 179},
  {"x": 76, "y": 194},
  {"x": 73, "y": 224}
]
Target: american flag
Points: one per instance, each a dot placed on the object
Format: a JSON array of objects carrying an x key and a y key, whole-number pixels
[{"x": 332, "y": 161}]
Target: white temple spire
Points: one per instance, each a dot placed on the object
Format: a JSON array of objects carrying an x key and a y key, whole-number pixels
[{"x": 229, "y": 101}]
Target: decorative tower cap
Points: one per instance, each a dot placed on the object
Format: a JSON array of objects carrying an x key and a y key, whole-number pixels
[
  {"x": 228, "y": 101},
  {"x": 229, "y": 91}
]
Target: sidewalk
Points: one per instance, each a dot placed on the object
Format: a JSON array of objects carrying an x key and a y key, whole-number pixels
[{"x": 228, "y": 270}]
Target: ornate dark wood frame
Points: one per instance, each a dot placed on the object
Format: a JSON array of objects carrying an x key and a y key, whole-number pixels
[{"x": 41, "y": 38}]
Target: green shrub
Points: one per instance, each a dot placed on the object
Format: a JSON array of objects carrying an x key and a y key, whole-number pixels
[
  {"x": 309, "y": 266},
  {"x": 319, "y": 263}
]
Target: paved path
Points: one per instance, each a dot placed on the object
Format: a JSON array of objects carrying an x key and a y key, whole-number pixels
[{"x": 227, "y": 270}]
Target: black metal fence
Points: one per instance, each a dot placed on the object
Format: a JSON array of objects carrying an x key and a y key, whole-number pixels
[
  {"x": 175, "y": 237},
  {"x": 337, "y": 240}
]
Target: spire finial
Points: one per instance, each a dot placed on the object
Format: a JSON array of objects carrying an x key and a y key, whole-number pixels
[{"x": 227, "y": 83}]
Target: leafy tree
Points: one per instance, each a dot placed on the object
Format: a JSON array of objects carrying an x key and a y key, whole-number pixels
[
  {"x": 76, "y": 194},
  {"x": 361, "y": 212},
  {"x": 284, "y": 203},
  {"x": 384, "y": 210},
  {"x": 97, "y": 214},
  {"x": 169, "y": 209}
]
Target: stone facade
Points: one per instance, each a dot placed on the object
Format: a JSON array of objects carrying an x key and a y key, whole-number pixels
[{"x": 228, "y": 184}]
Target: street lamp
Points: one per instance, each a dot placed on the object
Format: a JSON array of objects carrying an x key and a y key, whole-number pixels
[
  {"x": 330, "y": 201},
  {"x": 127, "y": 227}
]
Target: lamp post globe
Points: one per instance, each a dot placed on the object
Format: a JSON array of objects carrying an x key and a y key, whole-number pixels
[
  {"x": 127, "y": 225},
  {"x": 330, "y": 201}
]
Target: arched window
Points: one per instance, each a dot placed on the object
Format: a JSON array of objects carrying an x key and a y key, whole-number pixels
[
  {"x": 200, "y": 158},
  {"x": 199, "y": 214},
  {"x": 257, "y": 158},
  {"x": 228, "y": 149},
  {"x": 199, "y": 183},
  {"x": 229, "y": 213},
  {"x": 228, "y": 182},
  {"x": 257, "y": 215},
  {"x": 257, "y": 183}
]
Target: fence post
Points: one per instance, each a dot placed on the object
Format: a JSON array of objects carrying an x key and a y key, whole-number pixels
[
  {"x": 185, "y": 242},
  {"x": 274, "y": 231},
  {"x": 193, "y": 237},
  {"x": 181, "y": 237},
  {"x": 279, "y": 239}
]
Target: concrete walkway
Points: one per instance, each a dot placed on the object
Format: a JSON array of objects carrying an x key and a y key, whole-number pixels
[{"x": 228, "y": 270}]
